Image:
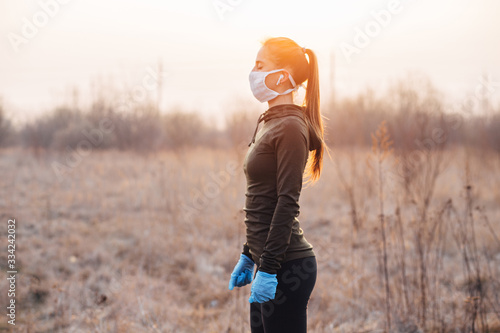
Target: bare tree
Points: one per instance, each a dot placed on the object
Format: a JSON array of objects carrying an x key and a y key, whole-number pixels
[{"x": 5, "y": 128}]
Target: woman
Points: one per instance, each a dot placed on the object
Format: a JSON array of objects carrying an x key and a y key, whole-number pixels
[{"x": 274, "y": 167}]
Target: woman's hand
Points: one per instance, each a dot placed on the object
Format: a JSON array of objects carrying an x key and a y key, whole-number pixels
[
  {"x": 242, "y": 273},
  {"x": 263, "y": 287}
]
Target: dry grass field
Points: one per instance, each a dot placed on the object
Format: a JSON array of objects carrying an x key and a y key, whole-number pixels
[{"x": 131, "y": 243}]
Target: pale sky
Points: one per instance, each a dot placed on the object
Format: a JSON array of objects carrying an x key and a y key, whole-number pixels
[{"x": 207, "y": 59}]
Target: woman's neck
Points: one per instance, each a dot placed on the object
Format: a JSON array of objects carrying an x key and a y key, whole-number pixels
[{"x": 282, "y": 99}]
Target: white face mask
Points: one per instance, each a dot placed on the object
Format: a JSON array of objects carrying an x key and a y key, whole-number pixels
[{"x": 261, "y": 91}]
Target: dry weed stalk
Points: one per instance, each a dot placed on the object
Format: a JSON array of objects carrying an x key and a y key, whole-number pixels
[
  {"x": 422, "y": 187},
  {"x": 465, "y": 238},
  {"x": 402, "y": 254},
  {"x": 381, "y": 148}
]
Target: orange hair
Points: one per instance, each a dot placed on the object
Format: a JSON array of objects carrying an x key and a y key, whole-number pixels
[{"x": 286, "y": 53}]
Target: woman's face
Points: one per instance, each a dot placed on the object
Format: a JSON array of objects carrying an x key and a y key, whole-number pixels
[{"x": 263, "y": 63}]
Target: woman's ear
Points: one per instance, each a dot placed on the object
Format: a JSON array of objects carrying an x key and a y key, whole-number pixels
[
  {"x": 279, "y": 80},
  {"x": 282, "y": 78}
]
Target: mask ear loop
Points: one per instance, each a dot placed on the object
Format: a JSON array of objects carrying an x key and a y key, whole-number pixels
[
  {"x": 292, "y": 81},
  {"x": 295, "y": 86}
]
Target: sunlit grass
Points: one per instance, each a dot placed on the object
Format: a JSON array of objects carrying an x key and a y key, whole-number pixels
[{"x": 111, "y": 249}]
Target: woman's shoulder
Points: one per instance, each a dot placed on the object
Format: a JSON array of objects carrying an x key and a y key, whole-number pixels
[
  {"x": 292, "y": 122},
  {"x": 291, "y": 129}
]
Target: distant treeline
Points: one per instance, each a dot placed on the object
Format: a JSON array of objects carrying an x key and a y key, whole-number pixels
[{"x": 416, "y": 116}]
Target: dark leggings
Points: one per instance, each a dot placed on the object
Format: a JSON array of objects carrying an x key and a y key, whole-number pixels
[{"x": 287, "y": 312}]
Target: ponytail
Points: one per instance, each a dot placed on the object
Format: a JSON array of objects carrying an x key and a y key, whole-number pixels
[
  {"x": 287, "y": 53},
  {"x": 313, "y": 114}
]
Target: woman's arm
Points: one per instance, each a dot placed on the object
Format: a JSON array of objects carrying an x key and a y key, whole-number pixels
[{"x": 291, "y": 150}]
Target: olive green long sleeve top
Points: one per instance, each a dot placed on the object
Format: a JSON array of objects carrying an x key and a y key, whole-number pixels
[{"x": 274, "y": 168}]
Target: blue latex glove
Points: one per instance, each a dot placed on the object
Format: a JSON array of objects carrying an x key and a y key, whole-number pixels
[
  {"x": 263, "y": 287},
  {"x": 242, "y": 272}
]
